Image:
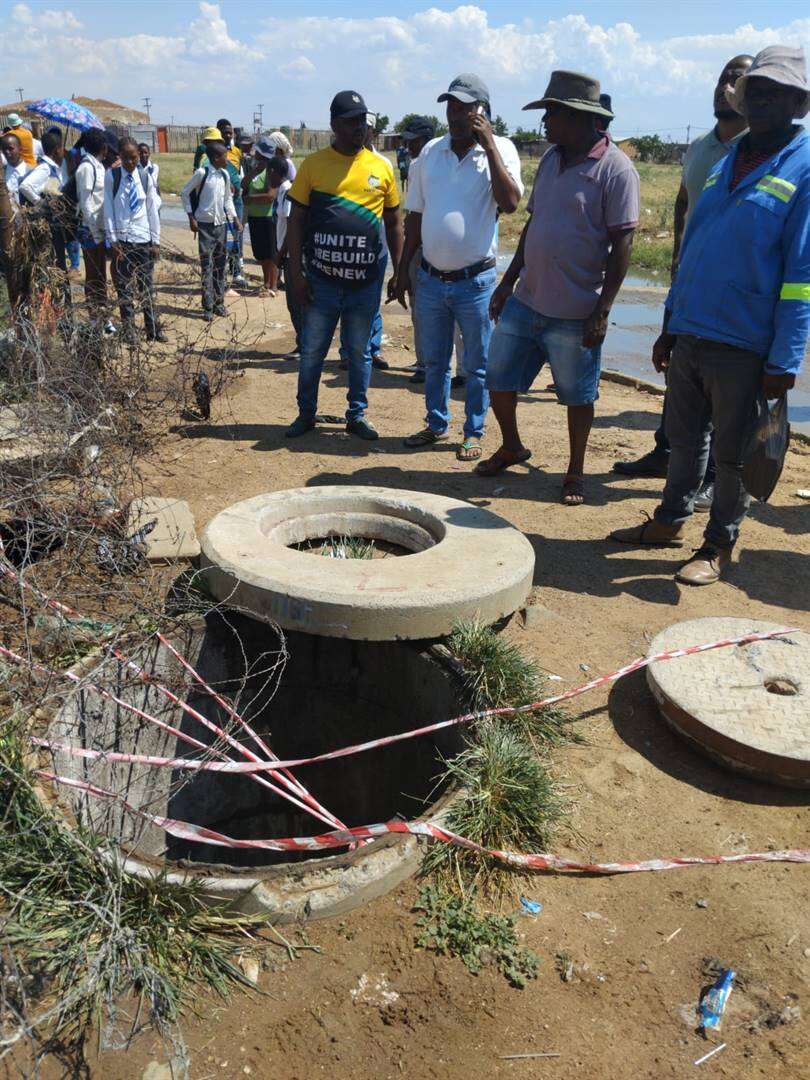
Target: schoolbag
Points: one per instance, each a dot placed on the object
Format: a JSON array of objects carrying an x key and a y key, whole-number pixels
[{"x": 194, "y": 198}]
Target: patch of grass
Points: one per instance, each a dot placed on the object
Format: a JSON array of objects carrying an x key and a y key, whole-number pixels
[
  {"x": 451, "y": 925},
  {"x": 81, "y": 935},
  {"x": 507, "y": 801},
  {"x": 175, "y": 169},
  {"x": 498, "y": 674},
  {"x": 348, "y": 547}
]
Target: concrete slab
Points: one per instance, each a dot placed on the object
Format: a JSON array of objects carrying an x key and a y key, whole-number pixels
[
  {"x": 460, "y": 561},
  {"x": 174, "y": 536},
  {"x": 747, "y": 706}
]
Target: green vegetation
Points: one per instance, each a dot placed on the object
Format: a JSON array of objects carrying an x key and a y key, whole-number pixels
[
  {"x": 452, "y": 926},
  {"x": 78, "y": 934},
  {"x": 507, "y": 801},
  {"x": 175, "y": 169},
  {"x": 496, "y": 674}
]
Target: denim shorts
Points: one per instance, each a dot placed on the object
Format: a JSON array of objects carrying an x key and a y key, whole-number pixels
[{"x": 523, "y": 341}]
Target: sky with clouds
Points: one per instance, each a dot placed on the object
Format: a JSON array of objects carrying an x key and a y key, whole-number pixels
[{"x": 198, "y": 60}]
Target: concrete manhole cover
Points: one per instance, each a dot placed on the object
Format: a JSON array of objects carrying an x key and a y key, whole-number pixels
[
  {"x": 747, "y": 706},
  {"x": 456, "y": 561}
]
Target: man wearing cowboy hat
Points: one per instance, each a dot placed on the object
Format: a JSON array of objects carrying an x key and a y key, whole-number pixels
[
  {"x": 738, "y": 313},
  {"x": 570, "y": 262}
]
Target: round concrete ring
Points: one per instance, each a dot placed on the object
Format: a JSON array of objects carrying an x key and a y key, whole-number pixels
[
  {"x": 746, "y": 706},
  {"x": 465, "y": 562}
]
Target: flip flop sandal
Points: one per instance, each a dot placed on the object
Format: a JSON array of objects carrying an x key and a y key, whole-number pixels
[
  {"x": 573, "y": 488},
  {"x": 497, "y": 463},
  {"x": 470, "y": 450},
  {"x": 426, "y": 437}
]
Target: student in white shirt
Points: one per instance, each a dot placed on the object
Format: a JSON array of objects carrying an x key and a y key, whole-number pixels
[
  {"x": 278, "y": 172},
  {"x": 45, "y": 181},
  {"x": 208, "y": 201},
  {"x": 132, "y": 229},
  {"x": 151, "y": 167},
  {"x": 90, "y": 178},
  {"x": 14, "y": 166}
]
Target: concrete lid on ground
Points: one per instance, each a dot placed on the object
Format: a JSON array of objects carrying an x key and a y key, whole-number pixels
[
  {"x": 461, "y": 561},
  {"x": 747, "y": 706}
]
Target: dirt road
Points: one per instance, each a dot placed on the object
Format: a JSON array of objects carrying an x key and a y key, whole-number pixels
[{"x": 371, "y": 1005}]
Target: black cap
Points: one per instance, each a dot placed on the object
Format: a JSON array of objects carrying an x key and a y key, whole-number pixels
[
  {"x": 419, "y": 127},
  {"x": 467, "y": 88},
  {"x": 346, "y": 104}
]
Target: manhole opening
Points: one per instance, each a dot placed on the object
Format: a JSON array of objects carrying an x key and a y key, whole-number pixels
[
  {"x": 781, "y": 686},
  {"x": 350, "y": 547},
  {"x": 331, "y": 693}
]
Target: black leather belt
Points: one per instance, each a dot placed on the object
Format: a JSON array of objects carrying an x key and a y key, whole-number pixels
[{"x": 458, "y": 275}]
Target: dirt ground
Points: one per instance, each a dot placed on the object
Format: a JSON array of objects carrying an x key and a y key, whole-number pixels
[{"x": 371, "y": 1005}]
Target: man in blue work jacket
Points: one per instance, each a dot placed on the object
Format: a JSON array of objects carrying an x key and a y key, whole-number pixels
[{"x": 738, "y": 313}]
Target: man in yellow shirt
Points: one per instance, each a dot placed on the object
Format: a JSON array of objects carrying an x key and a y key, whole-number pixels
[
  {"x": 15, "y": 127},
  {"x": 341, "y": 199}
]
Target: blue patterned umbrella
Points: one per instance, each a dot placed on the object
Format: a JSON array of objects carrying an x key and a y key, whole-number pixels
[{"x": 67, "y": 112}]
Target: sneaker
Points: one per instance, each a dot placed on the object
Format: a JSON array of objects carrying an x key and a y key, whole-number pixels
[
  {"x": 653, "y": 464},
  {"x": 109, "y": 328},
  {"x": 362, "y": 429},
  {"x": 418, "y": 376},
  {"x": 294, "y": 355},
  {"x": 705, "y": 498},
  {"x": 240, "y": 282},
  {"x": 705, "y": 567},
  {"x": 379, "y": 363},
  {"x": 220, "y": 309},
  {"x": 457, "y": 381},
  {"x": 300, "y": 426},
  {"x": 208, "y": 316},
  {"x": 156, "y": 335}
]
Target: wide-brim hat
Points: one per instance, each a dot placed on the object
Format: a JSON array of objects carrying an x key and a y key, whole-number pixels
[
  {"x": 781, "y": 64},
  {"x": 574, "y": 90},
  {"x": 14, "y": 119}
]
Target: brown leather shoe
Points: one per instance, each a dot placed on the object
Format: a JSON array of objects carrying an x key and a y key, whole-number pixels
[
  {"x": 705, "y": 567},
  {"x": 651, "y": 533}
]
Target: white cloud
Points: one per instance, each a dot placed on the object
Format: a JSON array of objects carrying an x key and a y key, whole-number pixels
[
  {"x": 299, "y": 68},
  {"x": 400, "y": 64}
]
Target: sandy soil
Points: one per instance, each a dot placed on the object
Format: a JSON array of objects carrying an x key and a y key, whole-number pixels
[{"x": 371, "y": 1005}]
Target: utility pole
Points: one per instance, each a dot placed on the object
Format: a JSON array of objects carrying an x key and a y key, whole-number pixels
[
  {"x": 258, "y": 119},
  {"x": 19, "y": 90},
  {"x": 147, "y": 102},
  {"x": 688, "y": 129}
]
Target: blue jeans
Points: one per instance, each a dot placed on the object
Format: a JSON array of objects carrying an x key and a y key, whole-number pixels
[
  {"x": 662, "y": 445},
  {"x": 74, "y": 254},
  {"x": 524, "y": 340},
  {"x": 375, "y": 338},
  {"x": 709, "y": 386},
  {"x": 355, "y": 308},
  {"x": 439, "y": 306}
]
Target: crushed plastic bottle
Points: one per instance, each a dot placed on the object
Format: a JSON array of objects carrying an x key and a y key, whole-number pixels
[{"x": 711, "y": 1008}]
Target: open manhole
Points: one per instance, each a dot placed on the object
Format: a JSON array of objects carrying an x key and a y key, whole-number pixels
[{"x": 331, "y": 693}]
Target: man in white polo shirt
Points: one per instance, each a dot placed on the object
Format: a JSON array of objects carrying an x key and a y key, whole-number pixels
[{"x": 465, "y": 179}]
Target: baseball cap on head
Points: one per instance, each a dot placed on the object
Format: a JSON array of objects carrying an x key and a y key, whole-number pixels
[
  {"x": 346, "y": 104},
  {"x": 419, "y": 127},
  {"x": 466, "y": 88}
]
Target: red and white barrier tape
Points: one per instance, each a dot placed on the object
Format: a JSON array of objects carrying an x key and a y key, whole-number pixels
[
  {"x": 184, "y": 830},
  {"x": 250, "y": 767}
]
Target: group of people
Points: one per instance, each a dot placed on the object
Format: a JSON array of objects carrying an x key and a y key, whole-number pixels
[
  {"x": 101, "y": 196},
  {"x": 736, "y": 317}
]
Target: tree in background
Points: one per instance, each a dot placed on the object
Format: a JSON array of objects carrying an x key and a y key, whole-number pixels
[
  {"x": 651, "y": 148},
  {"x": 402, "y": 125},
  {"x": 500, "y": 126},
  {"x": 520, "y": 137},
  {"x": 381, "y": 124}
]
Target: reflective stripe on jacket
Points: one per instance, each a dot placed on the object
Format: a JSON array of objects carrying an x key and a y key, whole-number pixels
[{"x": 744, "y": 272}]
